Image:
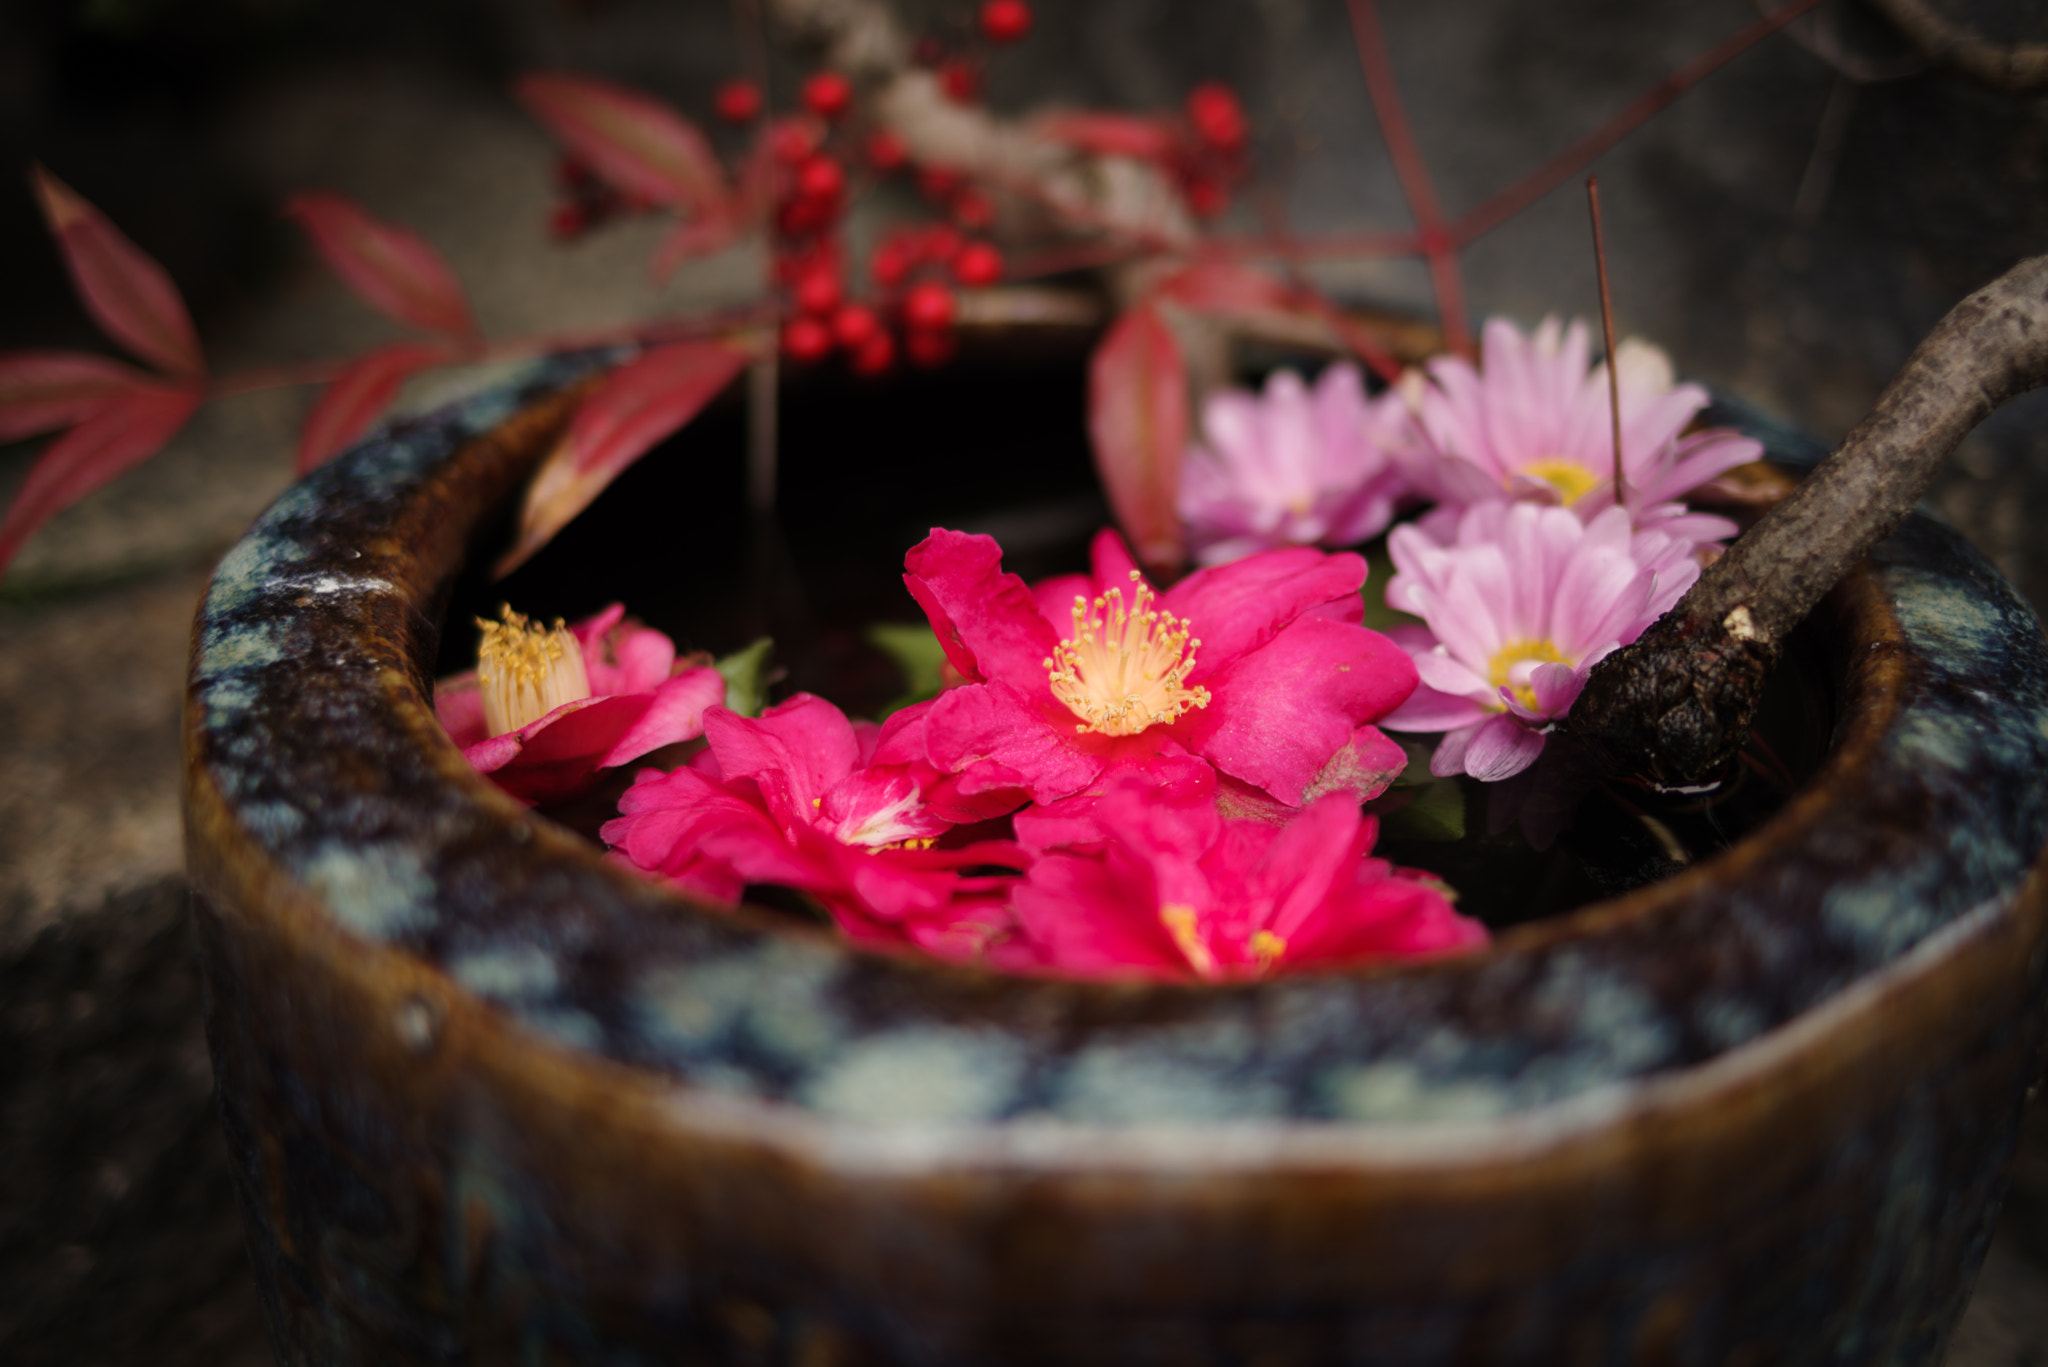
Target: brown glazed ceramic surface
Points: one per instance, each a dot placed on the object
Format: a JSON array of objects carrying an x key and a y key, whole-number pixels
[{"x": 493, "y": 1100}]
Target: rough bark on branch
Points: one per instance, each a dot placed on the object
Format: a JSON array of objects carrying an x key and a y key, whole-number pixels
[
  {"x": 1675, "y": 706},
  {"x": 2021, "y": 69}
]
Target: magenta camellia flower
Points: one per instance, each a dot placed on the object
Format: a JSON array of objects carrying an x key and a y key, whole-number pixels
[
  {"x": 1519, "y": 608},
  {"x": 1293, "y": 467},
  {"x": 1149, "y": 879},
  {"x": 1258, "y": 667},
  {"x": 794, "y": 798},
  {"x": 1536, "y": 421},
  {"x": 547, "y": 708}
]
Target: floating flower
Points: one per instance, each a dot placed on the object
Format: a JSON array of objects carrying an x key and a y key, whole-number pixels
[
  {"x": 548, "y": 707},
  {"x": 1149, "y": 879},
  {"x": 1519, "y": 608},
  {"x": 1294, "y": 467},
  {"x": 794, "y": 798},
  {"x": 1536, "y": 422},
  {"x": 1259, "y": 667}
]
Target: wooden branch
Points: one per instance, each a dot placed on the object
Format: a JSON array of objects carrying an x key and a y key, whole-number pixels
[
  {"x": 1675, "y": 706},
  {"x": 2021, "y": 69}
]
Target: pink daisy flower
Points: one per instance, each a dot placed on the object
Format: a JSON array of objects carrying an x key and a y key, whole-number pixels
[
  {"x": 793, "y": 798},
  {"x": 1148, "y": 879},
  {"x": 1292, "y": 467},
  {"x": 1259, "y": 667},
  {"x": 1518, "y": 609},
  {"x": 547, "y": 708},
  {"x": 1536, "y": 422}
]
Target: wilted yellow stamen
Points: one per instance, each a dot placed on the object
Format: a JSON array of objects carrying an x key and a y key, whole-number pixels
[
  {"x": 1572, "y": 480},
  {"x": 1123, "y": 669},
  {"x": 1519, "y": 652},
  {"x": 525, "y": 671},
  {"x": 1267, "y": 948},
  {"x": 1179, "y": 920}
]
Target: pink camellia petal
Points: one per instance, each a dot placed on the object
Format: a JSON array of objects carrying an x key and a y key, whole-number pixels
[
  {"x": 555, "y": 758},
  {"x": 41, "y": 391},
  {"x": 794, "y": 752},
  {"x": 358, "y": 395},
  {"x": 632, "y": 140},
  {"x": 1501, "y": 748},
  {"x": 1276, "y": 716},
  {"x": 118, "y": 437},
  {"x": 1138, "y": 421},
  {"x": 127, "y": 293},
  {"x": 1238, "y": 607},
  {"x": 675, "y": 713},
  {"x": 987, "y": 621},
  {"x": 1361, "y": 770},
  {"x": 392, "y": 269},
  {"x": 997, "y": 723}
]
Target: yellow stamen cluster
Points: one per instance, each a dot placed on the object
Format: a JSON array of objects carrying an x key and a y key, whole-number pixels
[
  {"x": 1572, "y": 480},
  {"x": 1179, "y": 920},
  {"x": 1123, "y": 669},
  {"x": 1268, "y": 948},
  {"x": 1513, "y": 653},
  {"x": 525, "y": 670}
]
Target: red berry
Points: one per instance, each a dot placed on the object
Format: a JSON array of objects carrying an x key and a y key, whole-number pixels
[
  {"x": 1207, "y": 198},
  {"x": 573, "y": 174},
  {"x": 1217, "y": 116},
  {"x": 971, "y": 209},
  {"x": 978, "y": 264},
  {"x": 937, "y": 182},
  {"x": 791, "y": 142},
  {"x": 801, "y": 217},
  {"x": 828, "y": 94},
  {"x": 889, "y": 265},
  {"x": 929, "y": 50},
  {"x": 806, "y": 339},
  {"x": 960, "y": 81},
  {"x": 886, "y": 151},
  {"x": 875, "y": 355},
  {"x": 1005, "y": 21},
  {"x": 737, "y": 101},
  {"x": 854, "y": 324},
  {"x": 930, "y": 346},
  {"x": 817, "y": 290},
  {"x": 568, "y": 222},
  {"x": 928, "y": 306},
  {"x": 820, "y": 178},
  {"x": 939, "y": 244}
]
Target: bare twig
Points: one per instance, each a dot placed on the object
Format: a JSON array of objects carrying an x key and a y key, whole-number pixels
[
  {"x": 1607, "y": 327},
  {"x": 2021, "y": 69},
  {"x": 1675, "y": 705}
]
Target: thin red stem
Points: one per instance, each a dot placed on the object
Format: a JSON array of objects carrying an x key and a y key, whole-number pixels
[
  {"x": 1315, "y": 248},
  {"x": 1607, "y": 325},
  {"x": 1438, "y": 247},
  {"x": 1575, "y": 158}
]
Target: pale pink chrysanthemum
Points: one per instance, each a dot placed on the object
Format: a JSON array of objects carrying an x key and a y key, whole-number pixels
[
  {"x": 1294, "y": 466},
  {"x": 1519, "y": 607},
  {"x": 1535, "y": 421}
]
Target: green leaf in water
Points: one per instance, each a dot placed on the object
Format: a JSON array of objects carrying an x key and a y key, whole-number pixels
[
  {"x": 1434, "y": 811},
  {"x": 746, "y": 677},
  {"x": 1380, "y": 569}
]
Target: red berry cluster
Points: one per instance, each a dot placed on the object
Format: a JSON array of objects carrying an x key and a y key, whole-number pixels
[
  {"x": 585, "y": 201},
  {"x": 1213, "y": 160}
]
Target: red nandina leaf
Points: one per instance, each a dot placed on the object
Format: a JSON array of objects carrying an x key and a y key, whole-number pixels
[
  {"x": 358, "y": 395},
  {"x": 127, "y": 293},
  {"x": 1110, "y": 135},
  {"x": 41, "y": 391},
  {"x": 392, "y": 269},
  {"x": 696, "y": 237},
  {"x": 1227, "y": 288},
  {"x": 120, "y": 436},
  {"x": 639, "y": 405},
  {"x": 1138, "y": 421},
  {"x": 632, "y": 140}
]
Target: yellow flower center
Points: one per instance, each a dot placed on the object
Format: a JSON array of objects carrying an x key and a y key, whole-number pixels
[
  {"x": 1572, "y": 480},
  {"x": 1268, "y": 948},
  {"x": 1122, "y": 669},
  {"x": 525, "y": 671},
  {"x": 1501, "y": 666}
]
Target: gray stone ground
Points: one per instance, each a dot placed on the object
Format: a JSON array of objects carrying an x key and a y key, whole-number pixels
[{"x": 1792, "y": 273}]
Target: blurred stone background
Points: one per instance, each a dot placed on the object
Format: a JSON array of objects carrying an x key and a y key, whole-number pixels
[{"x": 1788, "y": 231}]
